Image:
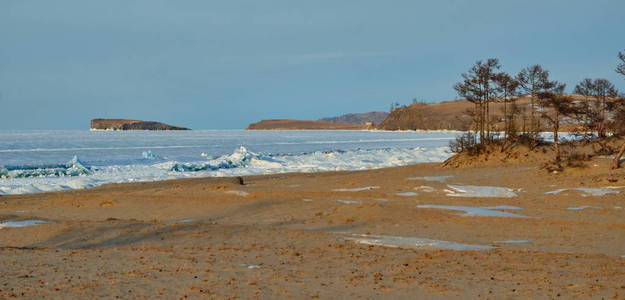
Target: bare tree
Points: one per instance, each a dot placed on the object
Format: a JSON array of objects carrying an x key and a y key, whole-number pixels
[
  {"x": 604, "y": 90},
  {"x": 621, "y": 66},
  {"x": 555, "y": 105},
  {"x": 585, "y": 108},
  {"x": 534, "y": 80},
  {"x": 478, "y": 87},
  {"x": 507, "y": 87},
  {"x": 616, "y": 162}
]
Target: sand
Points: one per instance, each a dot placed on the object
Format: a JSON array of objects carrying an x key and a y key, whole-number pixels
[{"x": 322, "y": 235}]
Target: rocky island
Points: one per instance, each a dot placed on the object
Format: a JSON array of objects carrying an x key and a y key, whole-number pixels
[{"x": 122, "y": 124}]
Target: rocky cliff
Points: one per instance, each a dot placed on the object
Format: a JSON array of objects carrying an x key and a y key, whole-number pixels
[{"x": 121, "y": 124}]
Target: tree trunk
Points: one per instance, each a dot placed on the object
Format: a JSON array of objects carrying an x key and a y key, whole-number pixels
[
  {"x": 505, "y": 119},
  {"x": 602, "y": 129},
  {"x": 556, "y": 140},
  {"x": 488, "y": 125},
  {"x": 616, "y": 162},
  {"x": 482, "y": 121},
  {"x": 532, "y": 113}
]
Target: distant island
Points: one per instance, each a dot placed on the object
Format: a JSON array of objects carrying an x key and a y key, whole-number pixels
[
  {"x": 360, "y": 121},
  {"x": 122, "y": 124},
  {"x": 304, "y": 125}
]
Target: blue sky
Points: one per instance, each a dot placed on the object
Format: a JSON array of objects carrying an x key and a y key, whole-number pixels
[{"x": 224, "y": 64}]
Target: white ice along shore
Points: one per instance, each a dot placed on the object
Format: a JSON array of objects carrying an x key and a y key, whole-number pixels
[{"x": 78, "y": 175}]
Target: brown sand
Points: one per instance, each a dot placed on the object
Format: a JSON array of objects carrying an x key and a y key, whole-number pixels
[{"x": 279, "y": 236}]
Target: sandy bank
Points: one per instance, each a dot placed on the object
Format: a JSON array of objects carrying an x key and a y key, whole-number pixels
[{"x": 328, "y": 235}]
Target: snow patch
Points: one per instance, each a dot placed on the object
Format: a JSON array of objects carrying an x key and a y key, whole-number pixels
[
  {"x": 411, "y": 242},
  {"x": 583, "y": 207},
  {"x": 474, "y": 191},
  {"x": 23, "y": 223},
  {"x": 512, "y": 242},
  {"x": 488, "y": 211},
  {"x": 588, "y": 192},
  {"x": 367, "y": 188},
  {"x": 425, "y": 188},
  {"x": 431, "y": 178},
  {"x": 174, "y": 222},
  {"x": 348, "y": 201},
  {"x": 238, "y": 193}
]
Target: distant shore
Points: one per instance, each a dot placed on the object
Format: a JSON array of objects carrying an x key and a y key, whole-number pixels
[{"x": 305, "y": 125}]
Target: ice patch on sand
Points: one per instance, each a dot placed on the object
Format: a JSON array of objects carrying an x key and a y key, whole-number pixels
[
  {"x": 238, "y": 193},
  {"x": 23, "y": 223},
  {"x": 440, "y": 179},
  {"x": 425, "y": 188},
  {"x": 411, "y": 242},
  {"x": 583, "y": 207},
  {"x": 406, "y": 194},
  {"x": 512, "y": 242},
  {"x": 181, "y": 221},
  {"x": 488, "y": 211},
  {"x": 474, "y": 191},
  {"x": 588, "y": 192},
  {"x": 366, "y": 188},
  {"x": 249, "y": 266},
  {"x": 348, "y": 201}
]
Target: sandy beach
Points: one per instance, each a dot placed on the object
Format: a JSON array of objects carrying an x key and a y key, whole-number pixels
[{"x": 362, "y": 234}]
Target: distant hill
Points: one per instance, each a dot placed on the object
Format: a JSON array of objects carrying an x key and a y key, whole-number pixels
[
  {"x": 375, "y": 117},
  {"x": 448, "y": 115},
  {"x": 429, "y": 116},
  {"x": 122, "y": 124},
  {"x": 303, "y": 125},
  {"x": 451, "y": 115}
]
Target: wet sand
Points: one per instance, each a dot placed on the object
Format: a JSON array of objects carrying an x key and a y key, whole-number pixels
[{"x": 324, "y": 235}]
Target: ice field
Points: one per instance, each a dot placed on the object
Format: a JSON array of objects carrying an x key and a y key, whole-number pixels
[{"x": 42, "y": 161}]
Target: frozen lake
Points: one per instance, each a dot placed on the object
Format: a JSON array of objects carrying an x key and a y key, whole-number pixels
[{"x": 39, "y": 161}]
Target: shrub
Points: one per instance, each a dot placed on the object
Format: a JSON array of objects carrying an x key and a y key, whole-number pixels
[{"x": 465, "y": 143}]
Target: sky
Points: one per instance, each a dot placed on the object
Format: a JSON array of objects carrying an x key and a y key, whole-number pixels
[{"x": 209, "y": 64}]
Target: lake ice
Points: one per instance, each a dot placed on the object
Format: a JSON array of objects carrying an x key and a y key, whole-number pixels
[{"x": 44, "y": 161}]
